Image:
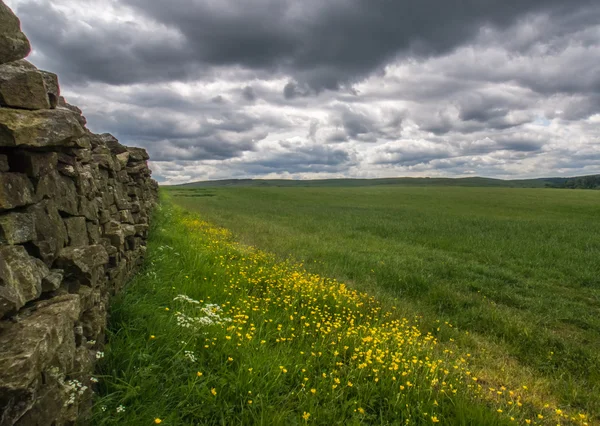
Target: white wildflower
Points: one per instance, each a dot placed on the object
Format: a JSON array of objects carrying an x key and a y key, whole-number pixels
[{"x": 190, "y": 355}]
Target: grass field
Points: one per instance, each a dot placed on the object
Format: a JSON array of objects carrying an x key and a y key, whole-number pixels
[
  {"x": 365, "y": 305},
  {"x": 518, "y": 269}
]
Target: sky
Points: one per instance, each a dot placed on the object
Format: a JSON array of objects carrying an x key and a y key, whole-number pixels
[{"x": 303, "y": 89}]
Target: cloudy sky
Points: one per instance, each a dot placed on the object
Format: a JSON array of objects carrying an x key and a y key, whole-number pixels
[{"x": 300, "y": 89}]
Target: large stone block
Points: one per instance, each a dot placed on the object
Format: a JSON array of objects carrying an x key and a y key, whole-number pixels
[
  {"x": 81, "y": 264},
  {"x": 33, "y": 346},
  {"x": 34, "y": 164},
  {"x": 15, "y": 191},
  {"x": 52, "y": 87},
  {"x": 61, "y": 188},
  {"x": 13, "y": 43},
  {"x": 88, "y": 208},
  {"x": 38, "y": 129},
  {"x": 16, "y": 228},
  {"x": 77, "y": 231},
  {"x": 51, "y": 233},
  {"x": 137, "y": 154},
  {"x": 22, "y": 86},
  {"x": 112, "y": 143},
  {"x": 20, "y": 278}
]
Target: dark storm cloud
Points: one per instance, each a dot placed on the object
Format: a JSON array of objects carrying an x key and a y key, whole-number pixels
[
  {"x": 223, "y": 88},
  {"x": 323, "y": 45}
]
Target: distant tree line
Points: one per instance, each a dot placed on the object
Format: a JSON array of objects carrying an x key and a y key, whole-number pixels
[{"x": 581, "y": 182}]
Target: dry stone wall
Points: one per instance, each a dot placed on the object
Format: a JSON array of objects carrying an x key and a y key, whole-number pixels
[{"x": 74, "y": 211}]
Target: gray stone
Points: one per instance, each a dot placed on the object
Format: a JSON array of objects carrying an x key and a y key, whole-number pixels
[
  {"x": 88, "y": 208},
  {"x": 125, "y": 216},
  {"x": 137, "y": 154},
  {"x": 114, "y": 232},
  {"x": 34, "y": 164},
  {"x": 16, "y": 228},
  {"x": 52, "y": 87},
  {"x": 22, "y": 86},
  {"x": 15, "y": 191},
  {"x": 80, "y": 263},
  {"x": 60, "y": 188},
  {"x": 51, "y": 233},
  {"x": 77, "y": 231},
  {"x": 29, "y": 347},
  {"x": 94, "y": 231},
  {"x": 123, "y": 158},
  {"x": 20, "y": 278},
  {"x": 67, "y": 170},
  {"x": 105, "y": 160},
  {"x": 37, "y": 129},
  {"x": 112, "y": 143},
  {"x": 13, "y": 43},
  {"x": 128, "y": 230},
  {"x": 82, "y": 155},
  {"x": 53, "y": 280}
]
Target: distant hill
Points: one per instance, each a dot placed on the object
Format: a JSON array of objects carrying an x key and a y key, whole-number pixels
[{"x": 583, "y": 182}]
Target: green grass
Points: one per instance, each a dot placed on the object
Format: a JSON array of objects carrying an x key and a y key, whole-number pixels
[
  {"x": 519, "y": 269},
  {"x": 284, "y": 347}
]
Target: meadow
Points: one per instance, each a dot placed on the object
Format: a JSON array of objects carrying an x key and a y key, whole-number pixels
[{"x": 365, "y": 305}]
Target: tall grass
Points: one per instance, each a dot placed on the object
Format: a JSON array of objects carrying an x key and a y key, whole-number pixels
[{"x": 215, "y": 332}]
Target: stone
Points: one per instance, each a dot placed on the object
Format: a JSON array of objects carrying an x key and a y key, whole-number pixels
[
  {"x": 84, "y": 141},
  {"x": 112, "y": 143},
  {"x": 94, "y": 321},
  {"x": 16, "y": 228},
  {"x": 137, "y": 154},
  {"x": 20, "y": 278},
  {"x": 34, "y": 164},
  {"x": 123, "y": 158},
  {"x": 136, "y": 169},
  {"x": 88, "y": 208},
  {"x": 128, "y": 230},
  {"x": 15, "y": 191},
  {"x": 94, "y": 231},
  {"x": 33, "y": 346},
  {"x": 22, "y": 86},
  {"x": 4, "y": 167},
  {"x": 51, "y": 233},
  {"x": 67, "y": 170},
  {"x": 39, "y": 129},
  {"x": 13, "y": 43},
  {"x": 67, "y": 159},
  {"x": 62, "y": 103},
  {"x": 141, "y": 230},
  {"x": 114, "y": 232},
  {"x": 52, "y": 87},
  {"x": 53, "y": 280},
  {"x": 125, "y": 216},
  {"x": 77, "y": 231},
  {"x": 81, "y": 263},
  {"x": 105, "y": 160},
  {"x": 60, "y": 188},
  {"x": 82, "y": 155}
]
